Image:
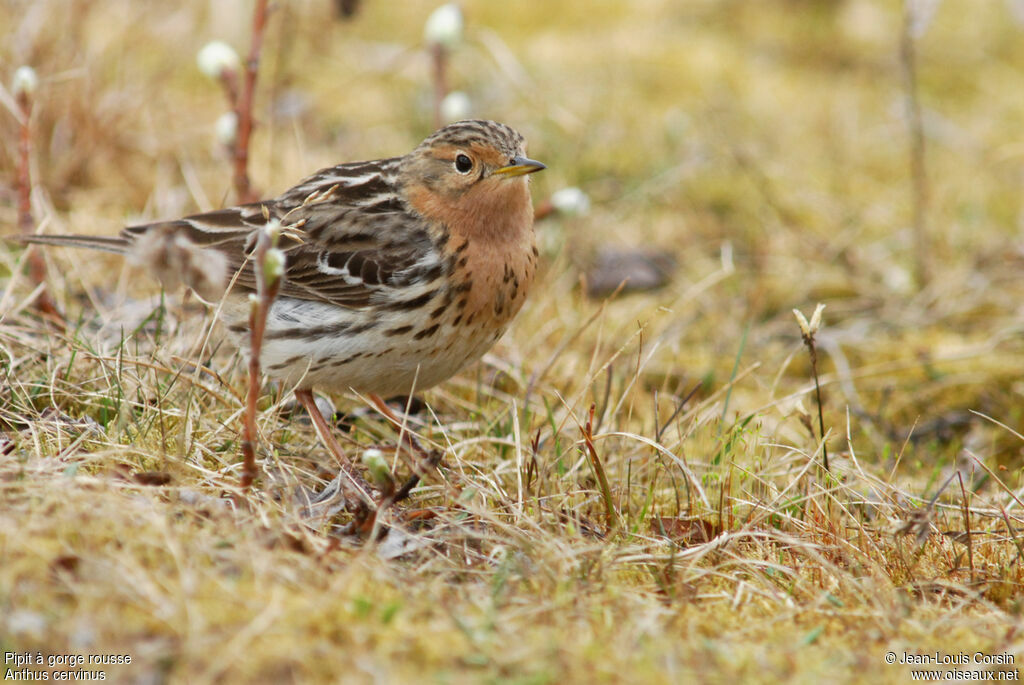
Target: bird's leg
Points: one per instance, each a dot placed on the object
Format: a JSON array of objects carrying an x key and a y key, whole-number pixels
[
  {"x": 350, "y": 482},
  {"x": 425, "y": 459},
  {"x": 399, "y": 423}
]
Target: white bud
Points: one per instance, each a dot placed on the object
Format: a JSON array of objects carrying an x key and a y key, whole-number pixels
[
  {"x": 217, "y": 57},
  {"x": 444, "y": 26},
  {"x": 273, "y": 266},
  {"x": 816, "y": 318},
  {"x": 801, "y": 320},
  {"x": 808, "y": 329},
  {"x": 226, "y": 129},
  {"x": 25, "y": 81},
  {"x": 380, "y": 474},
  {"x": 455, "y": 106},
  {"x": 273, "y": 230},
  {"x": 570, "y": 201}
]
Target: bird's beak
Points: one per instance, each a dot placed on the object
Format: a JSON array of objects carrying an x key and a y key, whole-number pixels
[{"x": 519, "y": 167}]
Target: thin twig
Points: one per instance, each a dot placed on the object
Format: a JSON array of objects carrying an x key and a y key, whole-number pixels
[
  {"x": 266, "y": 292},
  {"x": 26, "y": 222},
  {"x": 243, "y": 107},
  {"x": 439, "y": 57},
  {"x": 679, "y": 408},
  {"x": 908, "y": 62},
  {"x": 229, "y": 82},
  {"x": 808, "y": 329},
  {"x": 602, "y": 478},
  {"x": 1011, "y": 531},
  {"x": 817, "y": 398},
  {"x": 967, "y": 522}
]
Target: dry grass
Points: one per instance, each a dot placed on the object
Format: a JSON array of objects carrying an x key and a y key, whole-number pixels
[{"x": 764, "y": 144}]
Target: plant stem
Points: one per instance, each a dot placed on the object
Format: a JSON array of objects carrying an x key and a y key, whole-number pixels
[
  {"x": 243, "y": 107},
  {"x": 602, "y": 478},
  {"x": 915, "y": 122},
  {"x": 26, "y": 222},
  {"x": 265, "y": 295},
  {"x": 439, "y": 55},
  {"x": 817, "y": 396}
]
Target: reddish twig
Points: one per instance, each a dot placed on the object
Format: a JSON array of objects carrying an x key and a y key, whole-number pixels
[
  {"x": 229, "y": 81},
  {"x": 443, "y": 31},
  {"x": 439, "y": 56},
  {"x": 602, "y": 478},
  {"x": 267, "y": 286},
  {"x": 26, "y": 222},
  {"x": 243, "y": 105}
]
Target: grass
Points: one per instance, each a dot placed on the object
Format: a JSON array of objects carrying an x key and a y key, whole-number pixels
[{"x": 765, "y": 145}]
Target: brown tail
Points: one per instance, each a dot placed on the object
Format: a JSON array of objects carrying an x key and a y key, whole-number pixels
[{"x": 115, "y": 245}]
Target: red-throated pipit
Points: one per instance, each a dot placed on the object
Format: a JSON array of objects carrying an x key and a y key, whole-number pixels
[{"x": 398, "y": 272}]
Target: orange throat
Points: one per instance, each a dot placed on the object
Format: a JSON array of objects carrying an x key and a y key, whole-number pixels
[{"x": 491, "y": 226}]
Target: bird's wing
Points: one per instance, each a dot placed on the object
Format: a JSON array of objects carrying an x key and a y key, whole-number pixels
[{"x": 348, "y": 238}]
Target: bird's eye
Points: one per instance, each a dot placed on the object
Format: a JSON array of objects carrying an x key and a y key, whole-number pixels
[{"x": 463, "y": 164}]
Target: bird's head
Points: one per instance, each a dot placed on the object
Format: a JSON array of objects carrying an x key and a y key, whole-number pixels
[{"x": 468, "y": 172}]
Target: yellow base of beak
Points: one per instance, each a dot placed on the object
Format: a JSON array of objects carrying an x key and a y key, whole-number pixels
[{"x": 519, "y": 167}]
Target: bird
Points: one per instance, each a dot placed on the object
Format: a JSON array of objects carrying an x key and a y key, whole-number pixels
[{"x": 397, "y": 273}]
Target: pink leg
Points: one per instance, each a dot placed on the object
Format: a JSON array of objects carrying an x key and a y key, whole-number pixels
[
  {"x": 425, "y": 459},
  {"x": 352, "y": 485}
]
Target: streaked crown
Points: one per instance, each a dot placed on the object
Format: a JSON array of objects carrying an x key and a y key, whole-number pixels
[{"x": 481, "y": 132}]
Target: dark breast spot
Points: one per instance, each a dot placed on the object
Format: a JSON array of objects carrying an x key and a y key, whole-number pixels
[
  {"x": 347, "y": 360},
  {"x": 432, "y": 273},
  {"x": 288, "y": 362},
  {"x": 427, "y": 332},
  {"x": 339, "y": 328},
  {"x": 414, "y": 303}
]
